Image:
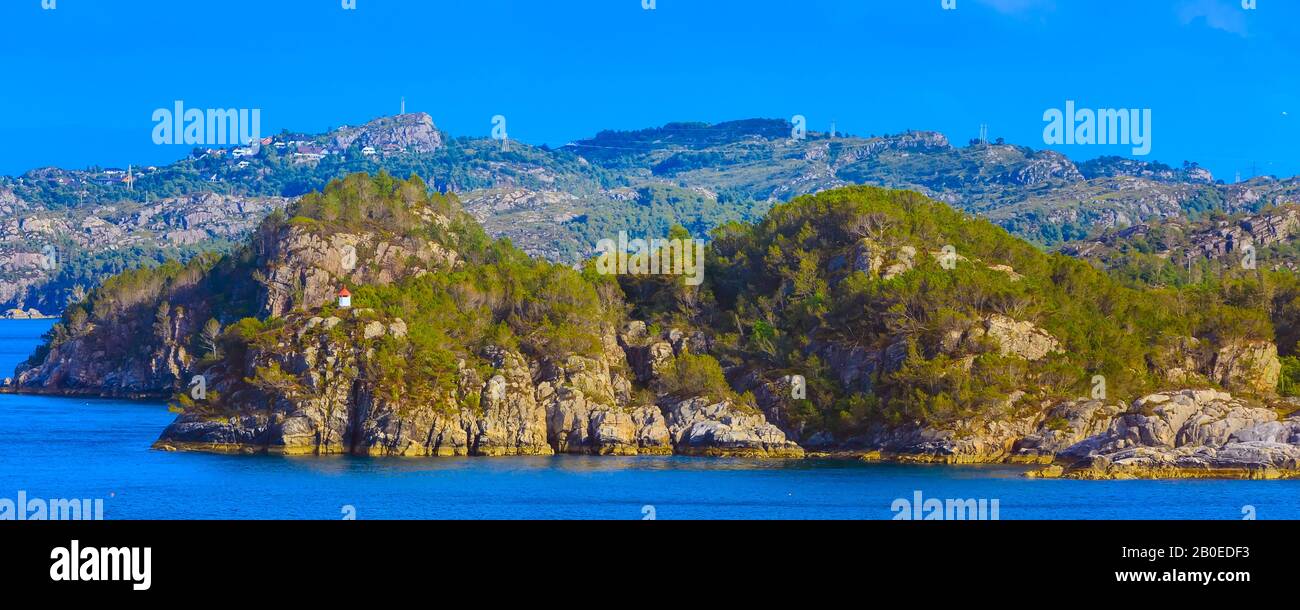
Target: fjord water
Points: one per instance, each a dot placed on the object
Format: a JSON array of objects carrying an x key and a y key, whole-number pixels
[{"x": 80, "y": 448}]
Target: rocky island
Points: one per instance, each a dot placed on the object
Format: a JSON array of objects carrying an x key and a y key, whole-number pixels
[{"x": 857, "y": 322}]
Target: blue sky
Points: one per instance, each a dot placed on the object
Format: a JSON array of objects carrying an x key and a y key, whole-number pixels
[{"x": 78, "y": 84}]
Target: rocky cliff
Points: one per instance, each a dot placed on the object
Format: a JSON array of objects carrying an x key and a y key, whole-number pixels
[
  {"x": 315, "y": 392},
  {"x": 1187, "y": 434},
  {"x": 258, "y": 356}
]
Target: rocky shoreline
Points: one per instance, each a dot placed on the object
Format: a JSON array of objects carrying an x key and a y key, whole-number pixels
[
  {"x": 581, "y": 405},
  {"x": 521, "y": 407},
  {"x": 28, "y": 314},
  {"x": 456, "y": 348},
  {"x": 1188, "y": 434}
]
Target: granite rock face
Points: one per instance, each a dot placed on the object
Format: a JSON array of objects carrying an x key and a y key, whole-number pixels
[
  {"x": 1250, "y": 366},
  {"x": 327, "y": 403},
  {"x": 304, "y": 269},
  {"x": 701, "y": 426},
  {"x": 1066, "y": 425},
  {"x": 414, "y": 132},
  {"x": 585, "y": 414},
  {"x": 1188, "y": 434},
  {"x": 1019, "y": 338}
]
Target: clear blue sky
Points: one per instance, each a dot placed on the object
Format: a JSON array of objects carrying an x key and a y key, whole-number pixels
[{"x": 80, "y": 82}]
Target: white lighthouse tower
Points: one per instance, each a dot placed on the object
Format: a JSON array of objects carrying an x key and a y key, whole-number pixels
[{"x": 345, "y": 298}]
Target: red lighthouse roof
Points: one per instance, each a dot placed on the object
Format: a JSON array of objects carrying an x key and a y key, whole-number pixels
[{"x": 343, "y": 292}]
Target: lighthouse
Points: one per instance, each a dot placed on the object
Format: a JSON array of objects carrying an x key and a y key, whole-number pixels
[{"x": 345, "y": 298}]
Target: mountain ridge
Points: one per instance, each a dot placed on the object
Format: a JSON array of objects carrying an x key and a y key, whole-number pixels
[{"x": 559, "y": 202}]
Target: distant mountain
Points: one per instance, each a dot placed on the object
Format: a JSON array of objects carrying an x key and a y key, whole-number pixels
[
  {"x": 1181, "y": 250},
  {"x": 558, "y": 203}
]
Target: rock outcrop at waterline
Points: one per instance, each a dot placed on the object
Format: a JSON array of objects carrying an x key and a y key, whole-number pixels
[
  {"x": 1194, "y": 433},
  {"x": 315, "y": 393},
  {"x": 1187, "y": 434}
]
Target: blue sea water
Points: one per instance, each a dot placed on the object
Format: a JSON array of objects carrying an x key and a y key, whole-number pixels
[{"x": 79, "y": 448}]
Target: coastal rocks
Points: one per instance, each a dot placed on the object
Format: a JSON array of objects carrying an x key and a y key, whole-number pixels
[
  {"x": 970, "y": 442},
  {"x": 1235, "y": 461},
  {"x": 652, "y": 436},
  {"x": 583, "y": 414},
  {"x": 776, "y": 399},
  {"x": 218, "y": 435},
  {"x": 512, "y": 422},
  {"x": 605, "y": 430},
  {"x": 20, "y": 314},
  {"x": 701, "y": 426},
  {"x": 318, "y": 392},
  {"x": 312, "y": 398},
  {"x": 1191, "y": 417},
  {"x": 1066, "y": 425},
  {"x": 1187, "y": 434},
  {"x": 80, "y": 367}
]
